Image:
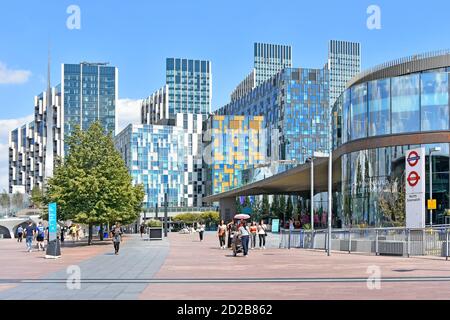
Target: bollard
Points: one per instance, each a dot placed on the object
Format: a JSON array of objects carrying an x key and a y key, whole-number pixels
[
  {"x": 376, "y": 242},
  {"x": 349, "y": 241},
  {"x": 409, "y": 241},
  {"x": 289, "y": 240},
  {"x": 446, "y": 240}
]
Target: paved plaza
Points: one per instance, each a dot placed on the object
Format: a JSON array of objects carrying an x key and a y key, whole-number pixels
[{"x": 182, "y": 267}]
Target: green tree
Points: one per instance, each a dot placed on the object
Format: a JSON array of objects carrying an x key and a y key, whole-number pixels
[
  {"x": 275, "y": 207},
  {"x": 289, "y": 208},
  {"x": 37, "y": 197},
  {"x": 392, "y": 202},
  {"x": 265, "y": 207},
  {"x": 210, "y": 217},
  {"x": 187, "y": 218},
  {"x": 5, "y": 200},
  {"x": 92, "y": 184},
  {"x": 282, "y": 209},
  {"x": 256, "y": 208},
  {"x": 17, "y": 200},
  {"x": 239, "y": 207}
]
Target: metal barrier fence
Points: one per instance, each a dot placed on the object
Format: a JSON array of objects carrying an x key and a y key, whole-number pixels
[{"x": 432, "y": 241}]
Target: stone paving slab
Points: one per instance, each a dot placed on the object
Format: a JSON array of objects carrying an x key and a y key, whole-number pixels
[
  {"x": 137, "y": 259},
  {"x": 191, "y": 259}
]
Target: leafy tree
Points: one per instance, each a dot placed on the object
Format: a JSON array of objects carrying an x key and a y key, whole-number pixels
[
  {"x": 282, "y": 209},
  {"x": 256, "y": 208},
  {"x": 92, "y": 184},
  {"x": 392, "y": 202},
  {"x": 265, "y": 207},
  {"x": 239, "y": 207},
  {"x": 17, "y": 200},
  {"x": 210, "y": 217},
  {"x": 5, "y": 200},
  {"x": 37, "y": 197},
  {"x": 275, "y": 207},
  {"x": 289, "y": 208},
  {"x": 188, "y": 218},
  {"x": 247, "y": 202}
]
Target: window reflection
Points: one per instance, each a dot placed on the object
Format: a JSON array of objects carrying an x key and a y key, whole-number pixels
[{"x": 434, "y": 100}]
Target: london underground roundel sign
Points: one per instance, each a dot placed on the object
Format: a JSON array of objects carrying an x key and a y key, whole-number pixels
[
  {"x": 413, "y": 158},
  {"x": 413, "y": 178}
]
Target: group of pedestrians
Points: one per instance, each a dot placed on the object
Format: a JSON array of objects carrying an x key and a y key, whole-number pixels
[
  {"x": 31, "y": 233},
  {"x": 247, "y": 234}
]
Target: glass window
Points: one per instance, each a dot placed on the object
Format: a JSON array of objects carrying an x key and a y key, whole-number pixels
[
  {"x": 346, "y": 117},
  {"x": 379, "y": 107},
  {"x": 405, "y": 104},
  {"x": 359, "y": 112},
  {"x": 434, "y": 99}
]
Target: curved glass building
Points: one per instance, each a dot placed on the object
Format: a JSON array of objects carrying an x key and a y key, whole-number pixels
[{"x": 382, "y": 113}]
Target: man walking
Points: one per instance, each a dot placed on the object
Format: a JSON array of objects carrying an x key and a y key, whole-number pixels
[
  {"x": 40, "y": 230},
  {"x": 29, "y": 234},
  {"x": 117, "y": 237},
  {"x": 19, "y": 234}
]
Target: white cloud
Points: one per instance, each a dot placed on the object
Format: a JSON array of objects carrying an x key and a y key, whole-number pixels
[
  {"x": 128, "y": 111},
  {"x": 5, "y": 127},
  {"x": 10, "y": 76}
]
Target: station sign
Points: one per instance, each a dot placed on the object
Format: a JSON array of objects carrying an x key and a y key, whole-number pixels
[{"x": 415, "y": 188}]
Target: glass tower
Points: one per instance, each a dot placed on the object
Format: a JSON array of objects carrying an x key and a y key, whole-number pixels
[
  {"x": 344, "y": 62},
  {"x": 269, "y": 59},
  {"x": 89, "y": 94},
  {"x": 189, "y": 86}
]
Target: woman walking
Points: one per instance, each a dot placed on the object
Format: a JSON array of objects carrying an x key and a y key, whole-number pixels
[
  {"x": 253, "y": 233},
  {"x": 221, "y": 232},
  {"x": 201, "y": 231},
  {"x": 262, "y": 234},
  {"x": 230, "y": 229},
  {"x": 244, "y": 234}
]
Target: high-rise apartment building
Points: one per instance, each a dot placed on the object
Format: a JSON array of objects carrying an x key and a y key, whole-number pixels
[
  {"x": 295, "y": 106},
  {"x": 189, "y": 86},
  {"x": 344, "y": 62},
  {"x": 268, "y": 60},
  {"x": 87, "y": 93}
]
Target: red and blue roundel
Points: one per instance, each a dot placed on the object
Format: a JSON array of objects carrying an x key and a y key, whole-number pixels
[{"x": 413, "y": 158}]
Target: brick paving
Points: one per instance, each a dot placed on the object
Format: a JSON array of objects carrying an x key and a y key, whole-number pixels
[
  {"x": 190, "y": 259},
  {"x": 182, "y": 262}
]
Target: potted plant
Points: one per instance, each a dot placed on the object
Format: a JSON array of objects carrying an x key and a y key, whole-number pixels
[{"x": 154, "y": 229}]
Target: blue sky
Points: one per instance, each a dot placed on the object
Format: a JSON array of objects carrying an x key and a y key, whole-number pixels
[{"x": 137, "y": 36}]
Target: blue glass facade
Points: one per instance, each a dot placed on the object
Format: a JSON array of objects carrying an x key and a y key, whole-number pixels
[
  {"x": 154, "y": 155},
  {"x": 295, "y": 107},
  {"x": 406, "y": 104},
  {"x": 89, "y": 95},
  {"x": 189, "y": 86}
]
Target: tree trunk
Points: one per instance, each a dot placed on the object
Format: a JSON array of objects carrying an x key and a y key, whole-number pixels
[
  {"x": 90, "y": 234},
  {"x": 101, "y": 232}
]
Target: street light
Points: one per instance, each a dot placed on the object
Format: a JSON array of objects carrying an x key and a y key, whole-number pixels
[{"x": 435, "y": 149}]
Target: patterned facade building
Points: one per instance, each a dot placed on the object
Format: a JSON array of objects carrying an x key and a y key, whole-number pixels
[
  {"x": 87, "y": 93},
  {"x": 28, "y": 144},
  {"x": 268, "y": 60},
  {"x": 295, "y": 107},
  {"x": 233, "y": 144}
]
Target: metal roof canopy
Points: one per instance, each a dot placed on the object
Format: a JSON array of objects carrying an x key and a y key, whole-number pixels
[{"x": 292, "y": 181}]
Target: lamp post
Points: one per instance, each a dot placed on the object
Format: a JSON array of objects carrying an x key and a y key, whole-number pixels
[{"x": 435, "y": 149}]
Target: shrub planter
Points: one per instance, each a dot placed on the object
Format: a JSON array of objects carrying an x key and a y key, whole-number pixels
[{"x": 155, "y": 233}]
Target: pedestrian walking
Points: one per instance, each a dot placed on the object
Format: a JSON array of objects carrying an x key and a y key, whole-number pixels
[
  {"x": 230, "y": 228},
  {"x": 19, "y": 234},
  {"x": 40, "y": 236},
  {"x": 29, "y": 235},
  {"x": 262, "y": 233},
  {"x": 244, "y": 234},
  {"x": 253, "y": 233},
  {"x": 221, "y": 232},
  {"x": 73, "y": 232},
  {"x": 142, "y": 229},
  {"x": 201, "y": 230},
  {"x": 116, "y": 232}
]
